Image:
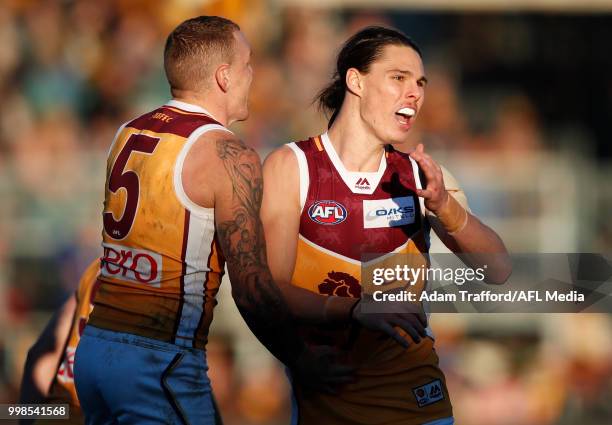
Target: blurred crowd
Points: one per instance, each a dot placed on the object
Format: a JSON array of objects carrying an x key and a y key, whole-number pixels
[{"x": 72, "y": 71}]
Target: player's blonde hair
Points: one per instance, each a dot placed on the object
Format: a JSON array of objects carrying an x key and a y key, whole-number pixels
[{"x": 195, "y": 48}]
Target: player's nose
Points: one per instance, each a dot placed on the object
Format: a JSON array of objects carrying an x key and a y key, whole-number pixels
[{"x": 412, "y": 91}]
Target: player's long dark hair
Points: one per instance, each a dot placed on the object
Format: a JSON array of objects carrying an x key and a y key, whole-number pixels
[{"x": 359, "y": 52}]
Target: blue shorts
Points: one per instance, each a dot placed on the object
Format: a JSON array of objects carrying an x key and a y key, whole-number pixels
[
  {"x": 445, "y": 421},
  {"x": 128, "y": 379}
]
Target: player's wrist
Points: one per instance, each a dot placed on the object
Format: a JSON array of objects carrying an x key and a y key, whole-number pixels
[
  {"x": 452, "y": 215},
  {"x": 338, "y": 309},
  {"x": 440, "y": 205}
]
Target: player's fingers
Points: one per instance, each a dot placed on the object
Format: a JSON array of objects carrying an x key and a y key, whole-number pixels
[
  {"x": 428, "y": 165},
  {"x": 430, "y": 171},
  {"x": 413, "y": 334},
  {"x": 420, "y": 154},
  {"x": 412, "y": 326},
  {"x": 429, "y": 159},
  {"x": 423, "y": 318},
  {"x": 400, "y": 340},
  {"x": 416, "y": 155},
  {"x": 414, "y": 309},
  {"x": 426, "y": 162},
  {"x": 417, "y": 152},
  {"x": 424, "y": 193},
  {"x": 420, "y": 150},
  {"x": 389, "y": 330}
]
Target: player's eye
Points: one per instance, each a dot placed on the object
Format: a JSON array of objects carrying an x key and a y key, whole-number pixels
[{"x": 398, "y": 77}]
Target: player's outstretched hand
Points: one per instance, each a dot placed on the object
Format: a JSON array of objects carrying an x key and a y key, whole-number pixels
[
  {"x": 318, "y": 369},
  {"x": 435, "y": 194},
  {"x": 406, "y": 316}
]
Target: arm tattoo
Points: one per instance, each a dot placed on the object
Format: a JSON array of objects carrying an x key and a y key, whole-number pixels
[
  {"x": 245, "y": 172},
  {"x": 257, "y": 296}
]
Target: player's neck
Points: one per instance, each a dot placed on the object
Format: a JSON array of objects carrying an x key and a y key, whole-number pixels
[
  {"x": 354, "y": 144},
  {"x": 205, "y": 101}
]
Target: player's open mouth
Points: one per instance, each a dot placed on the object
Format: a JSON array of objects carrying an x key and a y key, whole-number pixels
[{"x": 405, "y": 114}]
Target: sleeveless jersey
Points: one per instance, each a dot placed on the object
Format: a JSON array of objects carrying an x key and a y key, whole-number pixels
[
  {"x": 346, "y": 215},
  {"x": 62, "y": 387},
  {"x": 162, "y": 264}
]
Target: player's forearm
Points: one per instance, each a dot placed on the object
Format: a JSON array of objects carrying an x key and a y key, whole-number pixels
[
  {"x": 258, "y": 298},
  {"x": 38, "y": 373},
  {"x": 31, "y": 390},
  {"x": 265, "y": 311},
  {"x": 478, "y": 246},
  {"x": 306, "y": 306},
  {"x": 46, "y": 353},
  {"x": 313, "y": 309}
]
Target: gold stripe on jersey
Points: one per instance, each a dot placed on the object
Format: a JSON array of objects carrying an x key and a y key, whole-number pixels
[
  {"x": 317, "y": 141},
  {"x": 211, "y": 287},
  {"x": 314, "y": 264}
]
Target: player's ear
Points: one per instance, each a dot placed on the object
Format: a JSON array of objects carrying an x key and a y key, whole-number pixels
[
  {"x": 354, "y": 81},
  {"x": 222, "y": 77}
]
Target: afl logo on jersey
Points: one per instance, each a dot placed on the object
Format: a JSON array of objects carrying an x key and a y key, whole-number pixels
[{"x": 327, "y": 212}]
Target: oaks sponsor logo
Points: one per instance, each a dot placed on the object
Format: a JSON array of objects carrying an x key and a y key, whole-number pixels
[
  {"x": 136, "y": 265},
  {"x": 391, "y": 212}
]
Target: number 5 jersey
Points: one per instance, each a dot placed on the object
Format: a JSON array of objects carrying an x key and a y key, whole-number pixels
[{"x": 162, "y": 264}]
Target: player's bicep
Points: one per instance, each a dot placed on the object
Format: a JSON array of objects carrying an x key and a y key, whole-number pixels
[
  {"x": 280, "y": 212},
  {"x": 240, "y": 232},
  {"x": 238, "y": 192}
]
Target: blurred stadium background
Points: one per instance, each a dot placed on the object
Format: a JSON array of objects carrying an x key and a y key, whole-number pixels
[{"x": 519, "y": 107}]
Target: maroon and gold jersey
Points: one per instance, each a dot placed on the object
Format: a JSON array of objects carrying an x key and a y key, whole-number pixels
[
  {"x": 346, "y": 215},
  {"x": 162, "y": 264}
]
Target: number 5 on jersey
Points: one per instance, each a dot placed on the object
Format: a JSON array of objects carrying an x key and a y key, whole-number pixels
[{"x": 119, "y": 229}]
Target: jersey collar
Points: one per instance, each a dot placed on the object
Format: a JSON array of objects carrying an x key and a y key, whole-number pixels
[
  {"x": 189, "y": 107},
  {"x": 357, "y": 181}
]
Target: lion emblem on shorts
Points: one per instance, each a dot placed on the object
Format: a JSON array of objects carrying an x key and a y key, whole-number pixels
[{"x": 340, "y": 284}]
